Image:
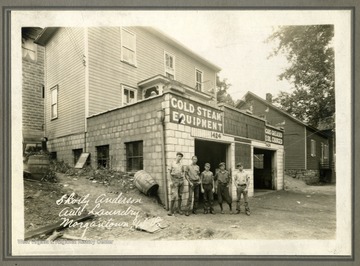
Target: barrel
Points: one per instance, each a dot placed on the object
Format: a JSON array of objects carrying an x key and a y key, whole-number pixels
[
  {"x": 145, "y": 183},
  {"x": 38, "y": 165}
]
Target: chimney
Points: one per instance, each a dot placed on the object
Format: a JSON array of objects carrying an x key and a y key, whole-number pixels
[{"x": 269, "y": 97}]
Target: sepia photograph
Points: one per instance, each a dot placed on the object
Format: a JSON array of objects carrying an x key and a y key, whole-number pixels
[{"x": 178, "y": 130}]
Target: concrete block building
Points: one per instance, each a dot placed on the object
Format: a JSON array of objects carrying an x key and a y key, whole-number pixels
[{"x": 132, "y": 97}]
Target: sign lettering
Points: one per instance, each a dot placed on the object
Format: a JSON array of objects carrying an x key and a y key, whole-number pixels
[
  {"x": 273, "y": 136},
  {"x": 193, "y": 114}
]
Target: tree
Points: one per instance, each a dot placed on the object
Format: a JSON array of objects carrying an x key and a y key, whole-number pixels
[
  {"x": 310, "y": 54},
  {"x": 222, "y": 91}
]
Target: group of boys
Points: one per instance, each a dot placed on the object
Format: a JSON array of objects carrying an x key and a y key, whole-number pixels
[{"x": 207, "y": 183}]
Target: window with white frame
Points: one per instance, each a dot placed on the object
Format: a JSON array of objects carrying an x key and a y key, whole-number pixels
[
  {"x": 169, "y": 65},
  {"x": 54, "y": 102},
  {"x": 129, "y": 95},
  {"x": 199, "y": 79},
  {"x": 313, "y": 148},
  {"x": 128, "y": 46}
]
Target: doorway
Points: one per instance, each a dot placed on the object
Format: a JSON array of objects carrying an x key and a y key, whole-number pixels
[
  {"x": 264, "y": 169},
  {"x": 213, "y": 153},
  {"x": 210, "y": 152}
]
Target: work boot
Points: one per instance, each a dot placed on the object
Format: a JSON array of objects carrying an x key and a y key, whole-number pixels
[
  {"x": 212, "y": 211},
  {"x": 237, "y": 211},
  {"x": 248, "y": 212},
  {"x": 187, "y": 213},
  {"x": 194, "y": 211},
  {"x": 221, "y": 209},
  {"x": 230, "y": 209},
  {"x": 171, "y": 209}
]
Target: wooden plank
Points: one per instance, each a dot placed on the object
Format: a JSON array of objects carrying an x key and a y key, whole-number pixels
[
  {"x": 70, "y": 237},
  {"x": 82, "y": 160},
  {"x": 50, "y": 228},
  {"x": 54, "y": 236}
]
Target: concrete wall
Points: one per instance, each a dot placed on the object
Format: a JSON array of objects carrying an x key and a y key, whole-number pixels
[
  {"x": 63, "y": 147},
  {"x": 132, "y": 123}
]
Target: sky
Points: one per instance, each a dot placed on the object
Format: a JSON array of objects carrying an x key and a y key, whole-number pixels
[
  {"x": 232, "y": 39},
  {"x": 237, "y": 47}
]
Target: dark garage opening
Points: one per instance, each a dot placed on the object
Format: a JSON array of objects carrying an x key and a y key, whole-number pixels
[
  {"x": 264, "y": 169},
  {"x": 210, "y": 152}
]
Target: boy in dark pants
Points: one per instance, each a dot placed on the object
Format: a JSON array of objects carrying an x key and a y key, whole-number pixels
[
  {"x": 223, "y": 178},
  {"x": 207, "y": 187}
]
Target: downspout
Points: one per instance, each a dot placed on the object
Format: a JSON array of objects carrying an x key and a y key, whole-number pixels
[
  {"x": 162, "y": 121},
  {"x": 86, "y": 65},
  {"x": 305, "y": 149}
]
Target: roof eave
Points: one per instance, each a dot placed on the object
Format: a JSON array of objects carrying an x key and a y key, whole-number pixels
[
  {"x": 283, "y": 112},
  {"x": 45, "y": 35},
  {"x": 181, "y": 46}
]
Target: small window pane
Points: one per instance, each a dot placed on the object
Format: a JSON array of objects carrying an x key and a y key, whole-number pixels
[
  {"x": 54, "y": 100},
  {"x": 134, "y": 156},
  {"x": 128, "y": 40}
]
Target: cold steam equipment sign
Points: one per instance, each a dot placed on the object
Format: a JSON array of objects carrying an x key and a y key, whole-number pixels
[{"x": 193, "y": 114}]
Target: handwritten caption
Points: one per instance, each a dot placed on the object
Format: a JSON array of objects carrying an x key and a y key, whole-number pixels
[{"x": 109, "y": 212}]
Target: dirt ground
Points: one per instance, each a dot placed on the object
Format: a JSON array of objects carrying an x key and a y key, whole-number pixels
[{"x": 298, "y": 212}]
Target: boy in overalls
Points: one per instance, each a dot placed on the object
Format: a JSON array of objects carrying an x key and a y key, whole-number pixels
[{"x": 223, "y": 178}]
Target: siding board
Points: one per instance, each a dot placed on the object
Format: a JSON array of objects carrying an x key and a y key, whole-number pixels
[
  {"x": 294, "y": 139},
  {"x": 65, "y": 69},
  {"x": 108, "y": 72}
]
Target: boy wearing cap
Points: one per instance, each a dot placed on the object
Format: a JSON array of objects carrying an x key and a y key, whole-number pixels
[
  {"x": 176, "y": 183},
  {"x": 242, "y": 181},
  {"x": 192, "y": 175},
  {"x": 223, "y": 178},
  {"x": 207, "y": 187}
]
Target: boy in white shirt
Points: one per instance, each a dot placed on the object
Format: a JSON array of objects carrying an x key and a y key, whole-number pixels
[{"x": 242, "y": 182}]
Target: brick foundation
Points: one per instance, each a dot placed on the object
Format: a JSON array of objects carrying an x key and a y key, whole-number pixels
[{"x": 308, "y": 176}]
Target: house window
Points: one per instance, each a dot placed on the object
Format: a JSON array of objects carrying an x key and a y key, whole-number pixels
[
  {"x": 324, "y": 151},
  {"x": 29, "y": 49},
  {"x": 54, "y": 102},
  {"x": 102, "y": 153},
  {"x": 151, "y": 92},
  {"x": 129, "y": 95},
  {"x": 313, "y": 148},
  {"x": 134, "y": 156},
  {"x": 128, "y": 46},
  {"x": 169, "y": 65},
  {"x": 199, "y": 79},
  {"x": 77, "y": 153}
]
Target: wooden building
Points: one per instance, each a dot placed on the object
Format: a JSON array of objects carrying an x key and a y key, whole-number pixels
[
  {"x": 307, "y": 149},
  {"x": 132, "y": 97}
]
